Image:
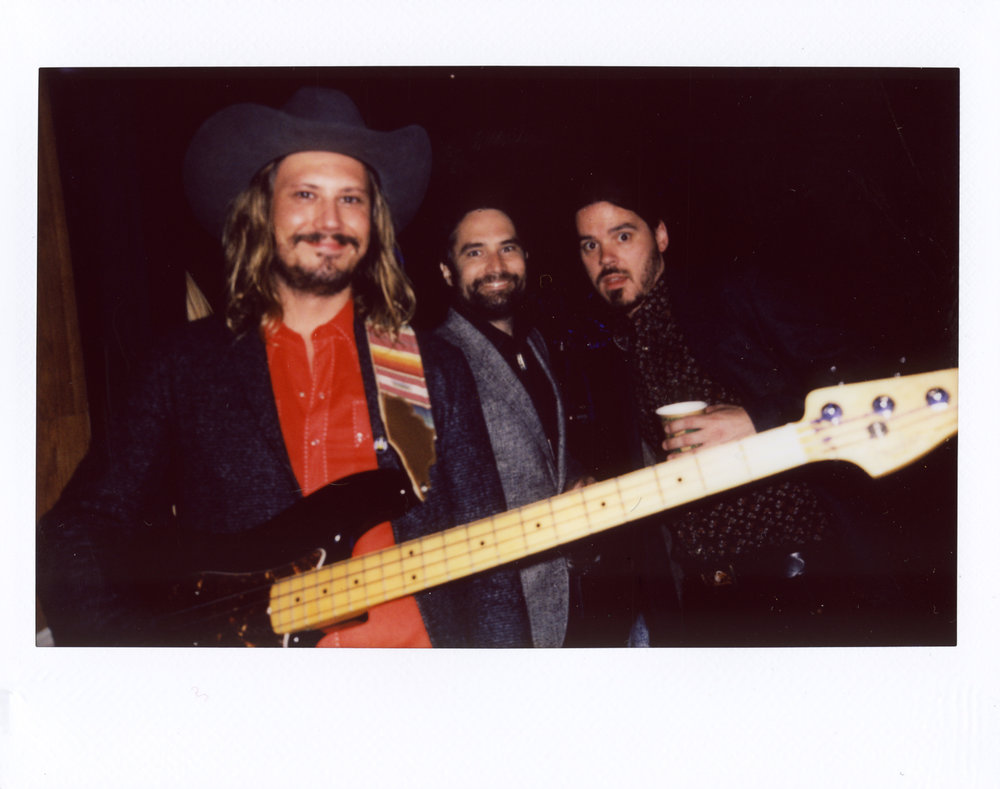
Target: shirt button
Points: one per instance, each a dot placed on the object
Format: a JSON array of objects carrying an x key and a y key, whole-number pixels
[
  {"x": 314, "y": 442},
  {"x": 322, "y": 396},
  {"x": 302, "y": 394}
]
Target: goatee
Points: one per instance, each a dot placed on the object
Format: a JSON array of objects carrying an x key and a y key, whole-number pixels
[{"x": 325, "y": 280}]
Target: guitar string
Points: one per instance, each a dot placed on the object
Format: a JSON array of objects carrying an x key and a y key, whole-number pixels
[
  {"x": 643, "y": 482},
  {"x": 572, "y": 504},
  {"x": 500, "y": 548},
  {"x": 462, "y": 536},
  {"x": 509, "y": 524},
  {"x": 464, "y": 541},
  {"x": 808, "y": 433},
  {"x": 587, "y": 510},
  {"x": 804, "y": 435},
  {"x": 579, "y": 524}
]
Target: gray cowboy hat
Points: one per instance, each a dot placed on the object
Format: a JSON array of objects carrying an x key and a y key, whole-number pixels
[{"x": 236, "y": 142}]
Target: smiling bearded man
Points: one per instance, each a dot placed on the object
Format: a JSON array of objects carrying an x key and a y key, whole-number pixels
[{"x": 485, "y": 268}]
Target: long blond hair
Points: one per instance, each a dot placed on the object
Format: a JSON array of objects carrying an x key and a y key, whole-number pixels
[{"x": 382, "y": 292}]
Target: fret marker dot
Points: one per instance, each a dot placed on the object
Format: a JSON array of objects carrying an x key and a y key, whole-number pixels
[
  {"x": 538, "y": 525},
  {"x": 355, "y": 581},
  {"x": 324, "y": 591},
  {"x": 414, "y": 577}
]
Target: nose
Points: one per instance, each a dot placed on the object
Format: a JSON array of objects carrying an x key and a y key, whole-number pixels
[
  {"x": 494, "y": 263},
  {"x": 607, "y": 256},
  {"x": 328, "y": 216}
]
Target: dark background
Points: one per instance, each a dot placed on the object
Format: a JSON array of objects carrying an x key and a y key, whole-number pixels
[{"x": 842, "y": 184}]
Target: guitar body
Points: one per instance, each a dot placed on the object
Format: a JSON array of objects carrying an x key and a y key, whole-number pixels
[
  {"x": 229, "y": 609},
  {"x": 227, "y": 603}
]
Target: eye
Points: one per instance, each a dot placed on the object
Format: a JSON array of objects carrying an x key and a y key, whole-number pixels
[
  {"x": 510, "y": 248},
  {"x": 624, "y": 236},
  {"x": 473, "y": 253},
  {"x": 588, "y": 246},
  {"x": 353, "y": 199},
  {"x": 303, "y": 194}
]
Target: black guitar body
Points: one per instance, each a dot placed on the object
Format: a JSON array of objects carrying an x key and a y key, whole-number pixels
[
  {"x": 219, "y": 585},
  {"x": 227, "y": 609}
]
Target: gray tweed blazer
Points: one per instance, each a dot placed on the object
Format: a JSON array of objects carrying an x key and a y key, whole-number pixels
[{"x": 529, "y": 467}]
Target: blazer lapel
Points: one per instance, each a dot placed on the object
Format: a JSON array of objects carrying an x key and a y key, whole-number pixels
[
  {"x": 495, "y": 379},
  {"x": 538, "y": 346},
  {"x": 250, "y": 371}
]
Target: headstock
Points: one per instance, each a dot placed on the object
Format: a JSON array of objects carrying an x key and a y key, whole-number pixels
[{"x": 881, "y": 425}]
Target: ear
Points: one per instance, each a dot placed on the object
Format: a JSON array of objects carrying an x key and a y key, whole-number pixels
[
  {"x": 662, "y": 239},
  {"x": 446, "y": 273}
]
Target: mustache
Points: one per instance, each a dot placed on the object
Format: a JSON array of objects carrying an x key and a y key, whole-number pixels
[
  {"x": 315, "y": 238},
  {"x": 610, "y": 271}
]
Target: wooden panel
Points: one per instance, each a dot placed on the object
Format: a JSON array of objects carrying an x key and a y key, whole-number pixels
[{"x": 63, "y": 424}]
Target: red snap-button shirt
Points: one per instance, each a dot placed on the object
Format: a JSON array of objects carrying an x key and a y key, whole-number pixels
[{"x": 324, "y": 421}]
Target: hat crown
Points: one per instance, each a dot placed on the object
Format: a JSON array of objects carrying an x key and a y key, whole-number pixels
[
  {"x": 323, "y": 105},
  {"x": 238, "y": 140}
]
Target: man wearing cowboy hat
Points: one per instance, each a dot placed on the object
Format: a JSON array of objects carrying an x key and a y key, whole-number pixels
[{"x": 313, "y": 376}]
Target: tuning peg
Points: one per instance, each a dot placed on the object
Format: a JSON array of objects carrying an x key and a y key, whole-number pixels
[
  {"x": 883, "y": 405},
  {"x": 937, "y": 398},
  {"x": 831, "y": 412}
]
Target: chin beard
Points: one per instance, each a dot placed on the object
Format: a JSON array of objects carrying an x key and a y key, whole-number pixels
[
  {"x": 494, "y": 306},
  {"x": 617, "y": 301},
  {"x": 318, "y": 282},
  {"x": 648, "y": 278},
  {"x": 616, "y": 298}
]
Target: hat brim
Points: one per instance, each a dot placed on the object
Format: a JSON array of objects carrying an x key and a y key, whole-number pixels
[{"x": 235, "y": 143}]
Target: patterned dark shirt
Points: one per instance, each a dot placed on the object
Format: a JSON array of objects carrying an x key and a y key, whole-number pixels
[{"x": 753, "y": 518}]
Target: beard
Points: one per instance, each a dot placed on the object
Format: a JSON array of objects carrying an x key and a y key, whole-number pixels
[
  {"x": 324, "y": 279},
  {"x": 494, "y": 305},
  {"x": 647, "y": 278},
  {"x": 616, "y": 298}
]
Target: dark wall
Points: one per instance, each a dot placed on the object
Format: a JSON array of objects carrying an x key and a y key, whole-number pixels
[{"x": 842, "y": 182}]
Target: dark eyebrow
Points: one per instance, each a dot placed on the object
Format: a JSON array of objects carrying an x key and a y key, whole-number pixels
[
  {"x": 615, "y": 229},
  {"x": 479, "y": 244}
]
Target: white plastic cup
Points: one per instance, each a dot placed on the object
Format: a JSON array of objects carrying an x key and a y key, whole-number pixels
[{"x": 671, "y": 413}]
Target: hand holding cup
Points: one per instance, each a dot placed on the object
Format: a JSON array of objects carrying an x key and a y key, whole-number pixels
[
  {"x": 715, "y": 424},
  {"x": 669, "y": 414}
]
